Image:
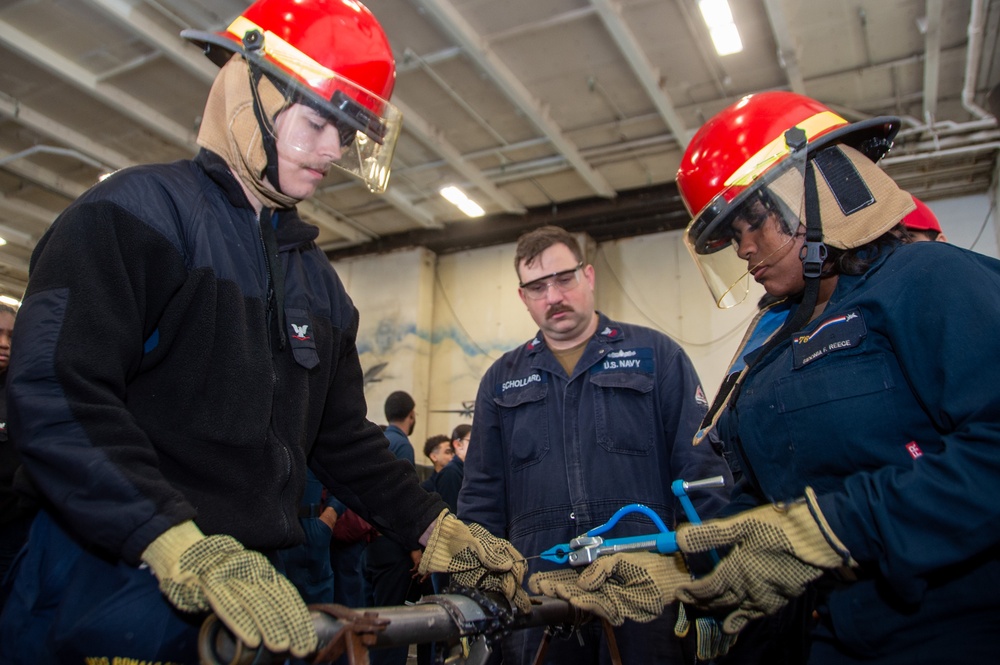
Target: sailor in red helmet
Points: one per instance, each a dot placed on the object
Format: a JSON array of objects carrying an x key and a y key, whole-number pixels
[
  {"x": 923, "y": 225},
  {"x": 188, "y": 351},
  {"x": 861, "y": 408}
]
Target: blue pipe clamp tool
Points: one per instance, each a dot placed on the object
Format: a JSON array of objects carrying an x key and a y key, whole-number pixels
[{"x": 585, "y": 549}]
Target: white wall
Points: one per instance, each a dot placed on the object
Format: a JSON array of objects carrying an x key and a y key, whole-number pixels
[
  {"x": 969, "y": 222},
  {"x": 652, "y": 281},
  {"x": 394, "y": 294}
]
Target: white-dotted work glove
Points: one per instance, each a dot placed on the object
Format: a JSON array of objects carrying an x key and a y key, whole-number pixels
[
  {"x": 634, "y": 586},
  {"x": 775, "y": 551},
  {"x": 475, "y": 558},
  {"x": 198, "y": 573},
  {"x": 711, "y": 641}
]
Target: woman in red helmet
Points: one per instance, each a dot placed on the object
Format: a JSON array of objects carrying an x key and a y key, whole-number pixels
[
  {"x": 862, "y": 408},
  {"x": 187, "y": 351}
]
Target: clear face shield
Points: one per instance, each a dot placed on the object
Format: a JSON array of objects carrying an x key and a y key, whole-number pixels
[
  {"x": 750, "y": 225},
  {"x": 333, "y": 121}
]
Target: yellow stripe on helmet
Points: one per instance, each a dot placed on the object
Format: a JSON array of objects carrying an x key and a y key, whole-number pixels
[
  {"x": 773, "y": 151},
  {"x": 284, "y": 53}
]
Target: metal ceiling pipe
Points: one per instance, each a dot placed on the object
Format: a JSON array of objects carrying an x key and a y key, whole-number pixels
[
  {"x": 932, "y": 41},
  {"x": 951, "y": 152},
  {"x": 948, "y": 127},
  {"x": 973, "y": 52},
  {"x": 53, "y": 150},
  {"x": 788, "y": 52},
  {"x": 935, "y": 144}
]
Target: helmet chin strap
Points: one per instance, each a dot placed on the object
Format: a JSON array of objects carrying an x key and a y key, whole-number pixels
[
  {"x": 813, "y": 252},
  {"x": 253, "y": 42},
  {"x": 267, "y": 130}
]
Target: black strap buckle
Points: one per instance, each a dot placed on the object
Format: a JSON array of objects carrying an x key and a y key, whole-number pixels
[{"x": 813, "y": 254}]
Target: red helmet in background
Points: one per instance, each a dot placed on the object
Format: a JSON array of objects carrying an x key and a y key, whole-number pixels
[
  {"x": 922, "y": 219},
  {"x": 332, "y": 55}
]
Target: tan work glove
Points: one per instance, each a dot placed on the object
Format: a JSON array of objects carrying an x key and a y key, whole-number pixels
[
  {"x": 617, "y": 587},
  {"x": 198, "y": 573},
  {"x": 776, "y": 550},
  {"x": 711, "y": 641},
  {"x": 475, "y": 558}
]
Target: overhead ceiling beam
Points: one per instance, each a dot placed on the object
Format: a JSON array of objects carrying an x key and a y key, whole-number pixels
[
  {"x": 12, "y": 285},
  {"x": 434, "y": 139},
  {"x": 459, "y": 30},
  {"x": 932, "y": 59},
  {"x": 156, "y": 37},
  {"x": 41, "y": 176},
  {"x": 70, "y": 72},
  {"x": 397, "y": 199},
  {"x": 788, "y": 49},
  {"x": 13, "y": 262},
  {"x": 648, "y": 75},
  {"x": 126, "y": 104},
  {"x": 12, "y": 207},
  {"x": 699, "y": 32},
  {"x": 60, "y": 133}
]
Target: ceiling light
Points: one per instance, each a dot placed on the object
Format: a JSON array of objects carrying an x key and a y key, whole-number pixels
[
  {"x": 13, "y": 302},
  {"x": 457, "y": 198},
  {"x": 3, "y": 241},
  {"x": 719, "y": 19}
]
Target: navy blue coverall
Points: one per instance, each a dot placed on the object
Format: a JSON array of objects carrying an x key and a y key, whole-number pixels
[
  {"x": 888, "y": 405},
  {"x": 552, "y": 456}
]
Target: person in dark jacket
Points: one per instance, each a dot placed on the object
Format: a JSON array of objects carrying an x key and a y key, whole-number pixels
[
  {"x": 438, "y": 450},
  {"x": 15, "y": 514},
  {"x": 866, "y": 423},
  {"x": 448, "y": 481},
  {"x": 588, "y": 416},
  {"x": 307, "y": 565},
  {"x": 391, "y": 566},
  {"x": 187, "y": 351}
]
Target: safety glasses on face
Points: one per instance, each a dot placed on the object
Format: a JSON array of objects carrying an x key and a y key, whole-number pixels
[{"x": 564, "y": 280}]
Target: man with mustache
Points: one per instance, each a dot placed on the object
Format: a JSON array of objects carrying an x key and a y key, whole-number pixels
[{"x": 588, "y": 416}]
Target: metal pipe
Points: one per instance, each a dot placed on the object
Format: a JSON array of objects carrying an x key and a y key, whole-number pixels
[
  {"x": 443, "y": 618},
  {"x": 935, "y": 145},
  {"x": 902, "y": 159},
  {"x": 53, "y": 150},
  {"x": 948, "y": 127},
  {"x": 973, "y": 52}
]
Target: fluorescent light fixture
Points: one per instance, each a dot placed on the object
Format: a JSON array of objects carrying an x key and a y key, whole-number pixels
[
  {"x": 719, "y": 19},
  {"x": 13, "y": 302},
  {"x": 716, "y": 12},
  {"x": 726, "y": 39},
  {"x": 457, "y": 198},
  {"x": 3, "y": 241}
]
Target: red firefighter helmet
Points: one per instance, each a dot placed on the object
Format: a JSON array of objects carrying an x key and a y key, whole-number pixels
[
  {"x": 922, "y": 218},
  {"x": 747, "y": 139},
  {"x": 744, "y": 148},
  {"x": 332, "y": 55}
]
